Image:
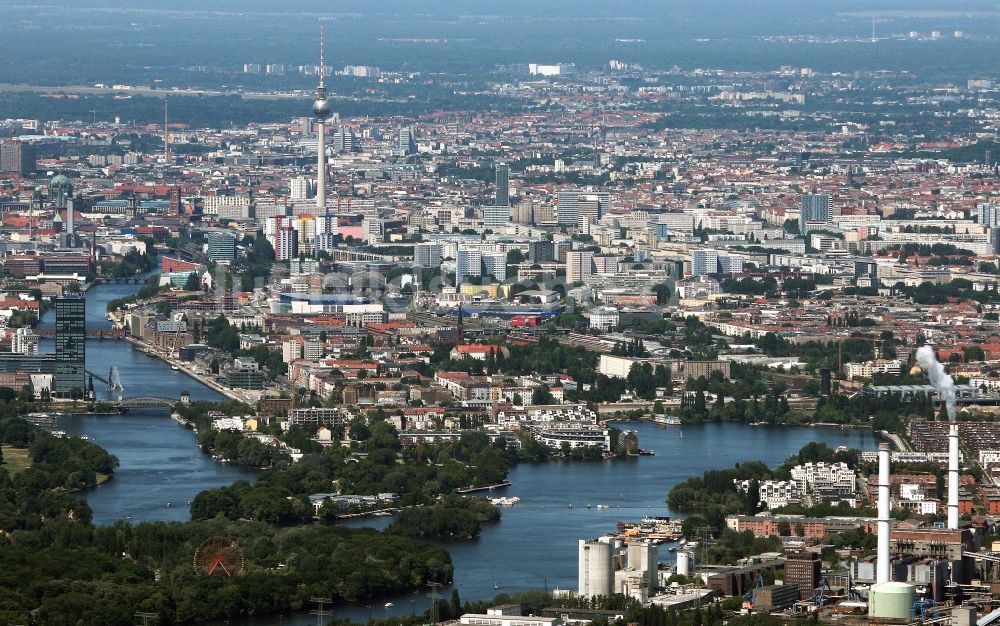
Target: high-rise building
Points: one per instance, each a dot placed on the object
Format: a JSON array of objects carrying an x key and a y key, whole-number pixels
[
  {"x": 704, "y": 262},
  {"x": 327, "y": 230},
  {"x": 503, "y": 184},
  {"x": 407, "y": 144},
  {"x": 468, "y": 263},
  {"x": 589, "y": 209},
  {"x": 568, "y": 209},
  {"x": 543, "y": 250},
  {"x": 815, "y": 208},
  {"x": 579, "y": 266},
  {"x": 17, "y": 157},
  {"x": 731, "y": 264},
  {"x": 71, "y": 346},
  {"x": 305, "y": 226},
  {"x": 286, "y": 243},
  {"x": 374, "y": 229},
  {"x": 989, "y": 214},
  {"x": 300, "y": 188},
  {"x": 427, "y": 255},
  {"x": 344, "y": 140},
  {"x": 221, "y": 247},
  {"x": 326, "y": 242},
  {"x": 495, "y": 265},
  {"x": 496, "y": 216},
  {"x": 803, "y": 569}
]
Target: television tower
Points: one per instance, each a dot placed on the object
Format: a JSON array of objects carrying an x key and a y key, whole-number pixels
[
  {"x": 166, "y": 134},
  {"x": 321, "y": 109}
]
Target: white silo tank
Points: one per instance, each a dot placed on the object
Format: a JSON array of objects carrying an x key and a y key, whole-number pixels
[
  {"x": 684, "y": 563},
  {"x": 596, "y": 569},
  {"x": 891, "y": 600}
]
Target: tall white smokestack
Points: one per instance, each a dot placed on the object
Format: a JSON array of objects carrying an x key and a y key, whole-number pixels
[
  {"x": 882, "y": 561},
  {"x": 953, "y": 477},
  {"x": 941, "y": 380},
  {"x": 945, "y": 385}
]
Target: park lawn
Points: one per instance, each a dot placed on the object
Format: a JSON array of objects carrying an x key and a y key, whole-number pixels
[{"x": 15, "y": 460}]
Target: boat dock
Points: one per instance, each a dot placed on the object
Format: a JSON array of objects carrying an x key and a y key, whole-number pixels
[
  {"x": 505, "y": 483},
  {"x": 657, "y": 530}
]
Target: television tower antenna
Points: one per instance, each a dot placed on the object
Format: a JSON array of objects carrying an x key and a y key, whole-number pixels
[
  {"x": 321, "y": 109},
  {"x": 166, "y": 133},
  {"x": 322, "y": 63}
]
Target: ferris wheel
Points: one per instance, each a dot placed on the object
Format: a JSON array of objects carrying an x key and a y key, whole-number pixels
[{"x": 218, "y": 556}]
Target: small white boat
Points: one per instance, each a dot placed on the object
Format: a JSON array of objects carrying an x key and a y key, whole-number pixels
[
  {"x": 174, "y": 367},
  {"x": 389, "y": 605},
  {"x": 505, "y": 501}
]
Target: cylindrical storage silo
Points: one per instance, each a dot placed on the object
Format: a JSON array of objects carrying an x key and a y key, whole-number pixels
[
  {"x": 684, "y": 563},
  {"x": 891, "y": 600}
]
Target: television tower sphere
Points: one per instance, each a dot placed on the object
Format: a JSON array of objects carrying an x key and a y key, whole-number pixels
[{"x": 321, "y": 108}]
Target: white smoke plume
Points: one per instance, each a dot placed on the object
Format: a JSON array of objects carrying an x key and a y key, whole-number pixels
[{"x": 939, "y": 378}]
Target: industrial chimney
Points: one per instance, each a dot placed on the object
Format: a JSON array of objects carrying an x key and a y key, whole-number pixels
[
  {"x": 952, "y": 477},
  {"x": 882, "y": 560}
]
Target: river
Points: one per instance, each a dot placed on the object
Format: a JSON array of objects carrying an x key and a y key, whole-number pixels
[
  {"x": 532, "y": 547},
  {"x": 161, "y": 464}
]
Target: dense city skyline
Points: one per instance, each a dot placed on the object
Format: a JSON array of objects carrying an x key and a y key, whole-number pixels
[{"x": 523, "y": 314}]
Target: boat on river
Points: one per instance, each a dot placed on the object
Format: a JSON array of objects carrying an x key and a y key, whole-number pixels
[
  {"x": 505, "y": 501},
  {"x": 667, "y": 420}
]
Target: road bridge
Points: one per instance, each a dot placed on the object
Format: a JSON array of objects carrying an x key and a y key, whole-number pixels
[{"x": 92, "y": 333}]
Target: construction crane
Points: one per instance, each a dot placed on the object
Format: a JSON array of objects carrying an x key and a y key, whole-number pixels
[
  {"x": 821, "y": 590},
  {"x": 750, "y": 597}
]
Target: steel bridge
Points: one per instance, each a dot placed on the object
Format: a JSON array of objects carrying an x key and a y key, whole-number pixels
[{"x": 146, "y": 402}]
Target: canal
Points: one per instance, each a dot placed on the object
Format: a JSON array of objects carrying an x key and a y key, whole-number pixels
[{"x": 532, "y": 547}]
